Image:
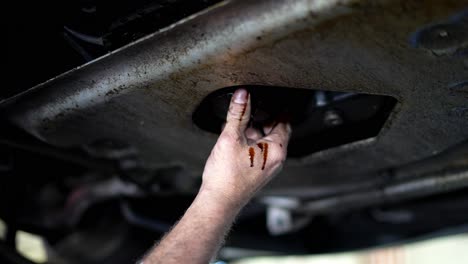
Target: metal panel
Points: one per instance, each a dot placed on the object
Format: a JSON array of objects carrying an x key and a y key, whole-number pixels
[{"x": 145, "y": 93}]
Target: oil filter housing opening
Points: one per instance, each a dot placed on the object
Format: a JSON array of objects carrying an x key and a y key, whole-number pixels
[{"x": 319, "y": 119}]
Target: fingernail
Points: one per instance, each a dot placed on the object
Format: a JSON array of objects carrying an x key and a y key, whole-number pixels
[{"x": 240, "y": 96}]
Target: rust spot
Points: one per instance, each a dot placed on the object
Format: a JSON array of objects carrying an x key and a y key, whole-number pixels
[{"x": 251, "y": 156}]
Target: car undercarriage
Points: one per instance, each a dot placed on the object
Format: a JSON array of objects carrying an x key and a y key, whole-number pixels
[{"x": 111, "y": 109}]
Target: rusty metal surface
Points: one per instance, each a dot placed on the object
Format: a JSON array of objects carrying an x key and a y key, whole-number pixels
[{"x": 145, "y": 93}]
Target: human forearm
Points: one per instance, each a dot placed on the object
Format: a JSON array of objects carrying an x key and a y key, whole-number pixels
[{"x": 199, "y": 233}]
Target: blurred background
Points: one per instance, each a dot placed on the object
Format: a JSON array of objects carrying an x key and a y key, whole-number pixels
[
  {"x": 446, "y": 249},
  {"x": 450, "y": 249}
]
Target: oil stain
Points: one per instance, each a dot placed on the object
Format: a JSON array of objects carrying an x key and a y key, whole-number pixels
[
  {"x": 260, "y": 145},
  {"x": 264, "y": 149},
  {"x": 243, "y": 109},
  {"x": 251, "y": 156}
]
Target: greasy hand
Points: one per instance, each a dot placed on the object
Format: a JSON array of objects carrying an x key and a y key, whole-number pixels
[{"x": 242, "y": 161}]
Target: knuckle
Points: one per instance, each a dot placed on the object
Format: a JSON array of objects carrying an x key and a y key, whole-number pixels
[
  {"x": 234, "y": 110},
  {"x": 224, "y": 140},
  {"x": 228, "y": 139},
  {"x": 279, "y": 154}
]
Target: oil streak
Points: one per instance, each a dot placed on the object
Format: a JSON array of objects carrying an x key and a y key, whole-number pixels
[
  {"x": 243, "y": 109},
  {"x": 251, "y": 156},
  {"x": 264, "y": 148},
  {"x": 260, "y": 145},
  {"x": 265, "y": 154}
]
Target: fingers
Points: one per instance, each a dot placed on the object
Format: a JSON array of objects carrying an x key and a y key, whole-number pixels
[
  {"x": 238, "y": 113},
  {"x": 280, "y": 133},
  {"x": 252, "y": 135}
]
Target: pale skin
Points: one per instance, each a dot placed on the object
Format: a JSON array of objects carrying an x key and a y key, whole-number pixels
[{"x": 233, "y": 174}]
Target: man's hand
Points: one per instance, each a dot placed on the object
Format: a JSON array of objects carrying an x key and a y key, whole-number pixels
[{"x": 243, "y": 161}]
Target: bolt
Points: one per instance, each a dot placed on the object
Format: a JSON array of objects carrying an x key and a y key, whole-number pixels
[
  {"x": 443, "y": 33},
  {"x": 332, "y": 118}
]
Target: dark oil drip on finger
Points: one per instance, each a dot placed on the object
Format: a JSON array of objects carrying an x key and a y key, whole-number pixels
[
  {"x": 243, "y": 109},
  {"x": 264, "y": 148},
  {"x": 251, "y": 156},
  {"x": 260, "y": 145},
  {"x": 265, "y": 154}
]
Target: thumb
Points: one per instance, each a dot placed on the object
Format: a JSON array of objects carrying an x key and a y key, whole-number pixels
[{"x": 239, "y": 112}]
